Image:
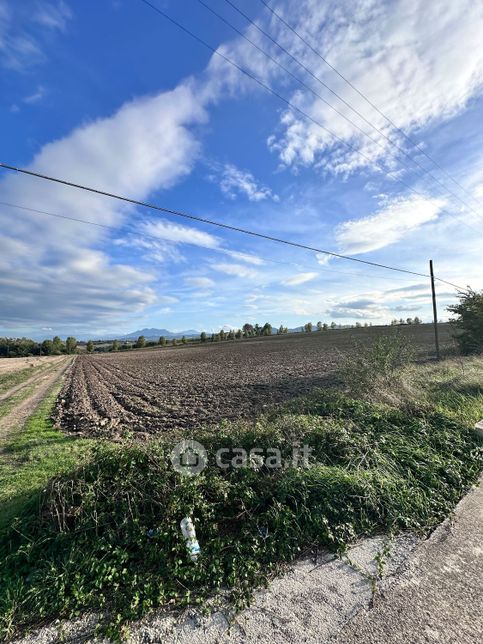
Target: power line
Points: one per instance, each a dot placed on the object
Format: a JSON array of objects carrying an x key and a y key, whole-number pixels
[
  {"x": 137, "y": 233},
  {"x": 211, "y": 222},
  {"x": 362, "y": 95},
  {"x": 284, "y": 100},
  {"x": 346, "y": 103}
]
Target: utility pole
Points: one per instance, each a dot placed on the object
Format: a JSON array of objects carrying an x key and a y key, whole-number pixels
[{"x": 435, "y": 313}]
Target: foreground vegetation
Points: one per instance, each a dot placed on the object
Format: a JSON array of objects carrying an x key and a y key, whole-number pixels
[{"x": 104, "y": 534}]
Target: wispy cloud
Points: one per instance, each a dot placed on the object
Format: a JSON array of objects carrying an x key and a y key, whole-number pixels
[
  {"x": 180, "y": 234},
  {"x": 54, "y": 15},
  {"x": 199, "y": 282},
  {"x": 21, "y": 44},
  {"x": 389, "y": 225},
  {"x": 236, "y": 270},
  {"x": 421, "y": 62},
  {"x": 36, "y": 97},
  {"x": 246, "y": 257},
  {"x": 234, "y": 182},
  {"x": 301, "y": 278}
]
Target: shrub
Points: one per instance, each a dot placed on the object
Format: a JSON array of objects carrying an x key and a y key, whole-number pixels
[
  {"x": 468, "y": 325},
  {"x": 370, "y": 368}
]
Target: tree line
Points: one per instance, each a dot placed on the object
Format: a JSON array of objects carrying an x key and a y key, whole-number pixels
[
  {"x": 24, "y": 347},
  {"x": 468, "y": 329}
]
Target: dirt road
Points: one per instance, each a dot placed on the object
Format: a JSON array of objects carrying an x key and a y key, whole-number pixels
[{"x": 41, "y": 384}]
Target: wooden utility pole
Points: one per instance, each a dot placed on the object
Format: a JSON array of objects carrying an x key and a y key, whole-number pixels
[{"x": 435, "y": 312}]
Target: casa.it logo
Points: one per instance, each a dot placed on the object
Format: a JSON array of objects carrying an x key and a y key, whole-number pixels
[{"x": 189, "y": 458}]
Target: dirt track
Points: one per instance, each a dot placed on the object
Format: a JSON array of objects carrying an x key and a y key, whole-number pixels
[
  {"x": 10, "y": 365},
  {"x": 157, "y": 390},
  {"x": 26, "y": 407}
]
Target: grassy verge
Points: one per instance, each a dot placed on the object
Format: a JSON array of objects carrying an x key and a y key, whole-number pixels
[
  {"x": 105, "y": 536},
  {"x": 30, "y": 458}
]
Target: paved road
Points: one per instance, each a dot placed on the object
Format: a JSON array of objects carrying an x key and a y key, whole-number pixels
[{"x": 439, "y": 598}]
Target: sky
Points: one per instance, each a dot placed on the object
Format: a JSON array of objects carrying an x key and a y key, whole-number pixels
[{"x": 115, "y": 96}]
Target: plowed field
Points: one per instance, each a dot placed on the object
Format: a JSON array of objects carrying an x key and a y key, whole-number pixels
[{"x": 157, "y": 390}]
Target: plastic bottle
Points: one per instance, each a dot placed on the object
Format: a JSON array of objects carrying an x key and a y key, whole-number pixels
[{"x": 189, "y": 534}]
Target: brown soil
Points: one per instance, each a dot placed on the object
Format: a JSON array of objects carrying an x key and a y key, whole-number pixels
[{"x": 157, "y": 390}]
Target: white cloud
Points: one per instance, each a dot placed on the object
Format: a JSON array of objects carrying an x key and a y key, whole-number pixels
[
  {"x": 301, "y": 278},
  {"x": 53, "y": 15},
  {"x": 145, "y": 145},
  {"x": 237, "y": 270},
  {"x": 180, "y": 234},
  {"x": 36, "y": 97},
  {"x": 200, "y": 282},
  {"x": 397, "y": 219},
  {"x": 419, "y": 62},
  {"x": 234, "y": 181},
  {"x": 20, "y": 47},
  {"x": 323, "y": 259},
  {"x": 245, "y": 257}
]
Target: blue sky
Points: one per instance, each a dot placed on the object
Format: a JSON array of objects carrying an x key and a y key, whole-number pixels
[{"x": 114, "y": 96}]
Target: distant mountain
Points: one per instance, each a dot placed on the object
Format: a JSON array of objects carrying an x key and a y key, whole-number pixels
[{"x": 154, "y": 334}]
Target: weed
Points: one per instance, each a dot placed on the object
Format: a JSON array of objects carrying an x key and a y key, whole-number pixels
[
  {"x": 105, "y": 536},
  {"x": 376, "y": 368}
]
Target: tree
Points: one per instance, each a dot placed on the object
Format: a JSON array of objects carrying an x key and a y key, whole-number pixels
[
  {"x": 90, "y": 346},
  {"x": 358, "y": 325},
  {"x": 174, "y": 342},
  {"x": 57, "y": 345},
  {"x": 238, "y": 334},
  {"x": 202, "y": 336},
  {"x": 247, "y": 330},
  {"x": 47, "y": 347},
  {"x": 183, "y": 340},
  {"x": 319, "y": 326},
  {"x": 162, "y": 340},
  {"x": 115, "y": 345},
  {"x": 333, "y": 325},
  {"x": 222, "y": 335},
  {"x": 468, "y": 325},
  {"x": 70, "y": 345},
  {"x": 308, "y": 327},
  {"x": 231, "y": 334},
  {"x": 325, "y": 326},
  {"x": 266, "y": 329},
  {"x": 141, "y": 342},
  {"x": 409, "y": 320},
  {"x": 417, "y": 320}
]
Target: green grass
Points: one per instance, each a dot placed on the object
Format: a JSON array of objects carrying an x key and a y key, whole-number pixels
[
  {"x": 30, "y": 457},
  {"x": 85, "y": 543}
]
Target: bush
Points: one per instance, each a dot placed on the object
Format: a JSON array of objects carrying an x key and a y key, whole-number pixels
[
  {"x": 468, "y": 326},
  {"x": 370, "y": 368}
]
